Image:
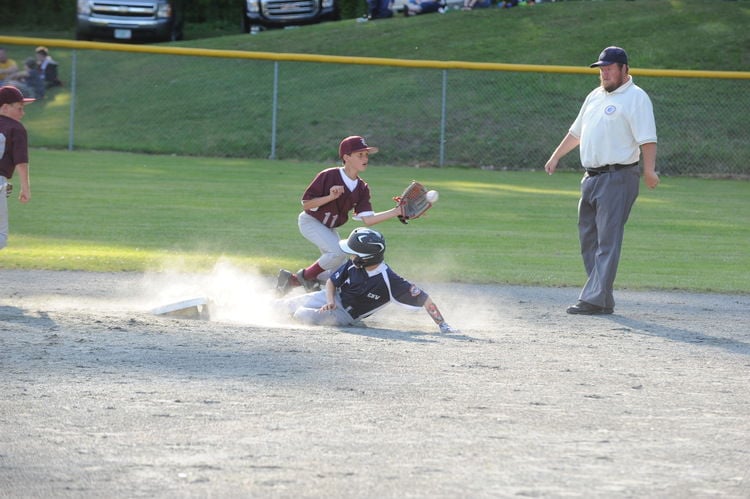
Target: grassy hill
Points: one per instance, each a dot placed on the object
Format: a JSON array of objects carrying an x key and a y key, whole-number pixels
[
  {"x": 318, "y": 104},
  {"x": 687, "y": 34},
  {"x": 684, "y": 34}
]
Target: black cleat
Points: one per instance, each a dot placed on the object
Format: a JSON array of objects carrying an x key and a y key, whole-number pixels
[
  {"x": 586, "y": 308},
  {"x": 283, "y": 282},
  {"x": 310, "y": 285}
]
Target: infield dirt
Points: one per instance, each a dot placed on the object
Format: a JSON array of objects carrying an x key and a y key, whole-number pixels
[{"x": 101, "y": 398}]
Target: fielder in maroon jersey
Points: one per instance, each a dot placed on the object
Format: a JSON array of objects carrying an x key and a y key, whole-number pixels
[
  {"x": 326, "y": 204},
  {"x": 14, "y": 152}
]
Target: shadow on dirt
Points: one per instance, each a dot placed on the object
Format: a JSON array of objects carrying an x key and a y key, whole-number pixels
[
  {"x": 411, "y": 336},
  {"x": 682, "y": 335},
  {"x": 40, "y": 319}
]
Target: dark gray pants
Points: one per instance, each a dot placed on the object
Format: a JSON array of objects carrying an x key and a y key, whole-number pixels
[{"x": 604, "y": 207}]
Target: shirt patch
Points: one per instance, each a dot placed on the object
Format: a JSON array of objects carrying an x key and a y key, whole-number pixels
[
  {"x": 610, "y": 110},
  {"x": 415, "y": 291}
]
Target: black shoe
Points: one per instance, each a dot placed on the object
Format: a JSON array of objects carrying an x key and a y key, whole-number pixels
[
  {"x": 585, "y": 308},
  {"x": 283, "y": 282},
  {"x": 310, "y": 285}
]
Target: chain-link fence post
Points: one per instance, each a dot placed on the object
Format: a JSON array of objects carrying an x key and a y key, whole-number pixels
[
  {"x": 443, "y": 111},
  {"x": 71, "y": 122},
  {"x": 274, "y": 110}
]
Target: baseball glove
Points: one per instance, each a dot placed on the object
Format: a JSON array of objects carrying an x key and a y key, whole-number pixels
[{"x": 413, "y": 202}]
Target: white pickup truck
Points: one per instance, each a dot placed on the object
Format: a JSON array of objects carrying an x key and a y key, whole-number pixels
[
  {"x": 262, "y": 14},
  {"x": 126, "y": 20}
]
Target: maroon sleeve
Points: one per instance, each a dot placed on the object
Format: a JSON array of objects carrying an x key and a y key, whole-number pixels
[
  {"x": 321, "y": 184},
  {"x": 20, "y": 146},
  {"x": 16, "y": 146}
]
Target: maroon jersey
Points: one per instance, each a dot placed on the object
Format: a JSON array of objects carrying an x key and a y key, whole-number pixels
[
  {"x": 14, "y": 148},
  {"x": 336, "y": 213}
]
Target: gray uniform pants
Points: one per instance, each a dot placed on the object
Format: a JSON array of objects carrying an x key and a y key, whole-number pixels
[
  {"x": 604, "y": 207},
  {"x": 306, "y": 310},
  {"x": 3, "y": 213},
  {"x": 326, "y": 239}
]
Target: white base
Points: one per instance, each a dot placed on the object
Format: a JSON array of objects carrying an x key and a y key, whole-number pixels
[{"x": 196, "y": 308}]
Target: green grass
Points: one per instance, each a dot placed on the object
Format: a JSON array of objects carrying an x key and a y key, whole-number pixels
[
  {"x": 103, "y": 211},
  {"x": 692, "y": 34},
  {"x": 677, "y": 34},
  {"x": 131, "y": 212},
  {"x": 146, "y": 95}
]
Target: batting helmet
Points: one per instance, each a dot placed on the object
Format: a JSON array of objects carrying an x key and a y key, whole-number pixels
[{"x": 367, "y": 244}]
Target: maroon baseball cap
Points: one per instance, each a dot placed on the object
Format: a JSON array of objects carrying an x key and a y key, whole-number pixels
[
  {"x": 10, "y": 94},
  {"x": 354, "y": 144}
]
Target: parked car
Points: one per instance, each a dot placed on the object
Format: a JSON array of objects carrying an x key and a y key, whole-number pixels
[
  {"x": 126, "y": 20},
  {"x": 261, "y": 14}
]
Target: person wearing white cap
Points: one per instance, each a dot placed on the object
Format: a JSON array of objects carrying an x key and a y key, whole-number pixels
[
  {"x": 14, "y": 152},
  {"x": 615, "y": 127}
]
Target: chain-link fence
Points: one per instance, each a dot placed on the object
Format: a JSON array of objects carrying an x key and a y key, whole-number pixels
[{"x": 225, "y": 104}]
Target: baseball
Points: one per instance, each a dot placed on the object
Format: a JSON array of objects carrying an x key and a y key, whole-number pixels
[{"x": 432, "y": 196}]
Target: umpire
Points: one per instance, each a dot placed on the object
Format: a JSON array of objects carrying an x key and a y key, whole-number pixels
[{"x": 614, "y": 127}]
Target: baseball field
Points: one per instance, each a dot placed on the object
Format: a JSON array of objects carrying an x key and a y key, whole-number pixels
[{"x": 103, "y": 398}]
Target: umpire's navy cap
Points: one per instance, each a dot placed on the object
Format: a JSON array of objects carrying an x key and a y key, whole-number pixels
[
  {"x": 354, "y": 144},
  {"x": 611, "y": 55}
]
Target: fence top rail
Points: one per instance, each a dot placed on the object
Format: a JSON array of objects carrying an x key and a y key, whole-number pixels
[{"x": 370, "y": 61}]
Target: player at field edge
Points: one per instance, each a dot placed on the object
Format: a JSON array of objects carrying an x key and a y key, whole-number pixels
[
  {"x": 14, "y": 154},
  {"x": 614, "y": 127},
  {"x": 326, "y": 203},
  {"x": 361, "y": 287}
]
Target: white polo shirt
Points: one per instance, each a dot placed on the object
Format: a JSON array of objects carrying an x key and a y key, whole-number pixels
[{"x": 613, "y": 125}]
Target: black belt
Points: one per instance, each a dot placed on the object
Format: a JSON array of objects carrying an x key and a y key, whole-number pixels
[{"x": 592, "y": 172}]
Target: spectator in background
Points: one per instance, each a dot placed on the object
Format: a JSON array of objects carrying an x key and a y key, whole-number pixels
[
  {"x": 476, "y": 4},
  {"x": 48, "y": 68},
  {"x": 8, "y": 67},
  {"x": 416, "y": 7},
  {"x": 29, "y": 80},
  {"x": 379, "y": 9}
]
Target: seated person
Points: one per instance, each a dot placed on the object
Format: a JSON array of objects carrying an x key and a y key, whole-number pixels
[
  {"x": 360, "y": 287},
  {"x": 29, "y": 80},
  {"x": 8, "y": 66},
  {"x": 379, "y": 9},
  {"x": 48, "y": 67},
  {"x": 416, "y": 7},
  {"x": 476, "y": 4}
]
